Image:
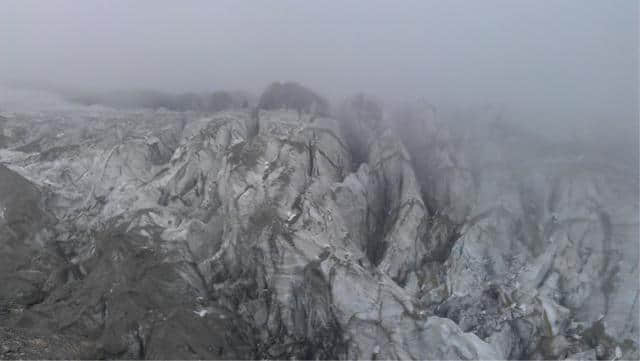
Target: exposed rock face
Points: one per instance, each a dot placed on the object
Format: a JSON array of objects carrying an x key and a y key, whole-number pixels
[{"x": 158, "y": 235}]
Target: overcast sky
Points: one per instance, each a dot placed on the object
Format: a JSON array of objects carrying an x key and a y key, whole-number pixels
[{"x": 558, "y": 61}]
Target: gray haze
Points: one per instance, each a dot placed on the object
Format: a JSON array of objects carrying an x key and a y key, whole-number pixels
[{"x": 566, "y": 65}]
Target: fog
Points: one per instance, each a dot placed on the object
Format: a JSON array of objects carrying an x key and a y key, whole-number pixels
[{"x": 564, "y": 66}]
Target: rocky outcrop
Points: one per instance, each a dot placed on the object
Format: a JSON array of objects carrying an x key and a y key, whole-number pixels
[{"x": 240, "y": 235}]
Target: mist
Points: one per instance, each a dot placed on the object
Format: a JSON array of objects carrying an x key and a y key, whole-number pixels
[
  {"x": 322, "y": 180},
  {"x": 568, "y": 67}
]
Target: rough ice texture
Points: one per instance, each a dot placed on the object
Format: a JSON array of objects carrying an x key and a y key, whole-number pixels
[{"x": 144, "y": 234}]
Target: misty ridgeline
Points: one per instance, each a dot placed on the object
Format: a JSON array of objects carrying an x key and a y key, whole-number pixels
[{"x": 231, "y": 226}]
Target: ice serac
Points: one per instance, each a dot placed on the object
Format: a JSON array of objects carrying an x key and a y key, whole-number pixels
[
  {"x": 237, "y": 235},
  {"x": 548, "y": 232}
]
